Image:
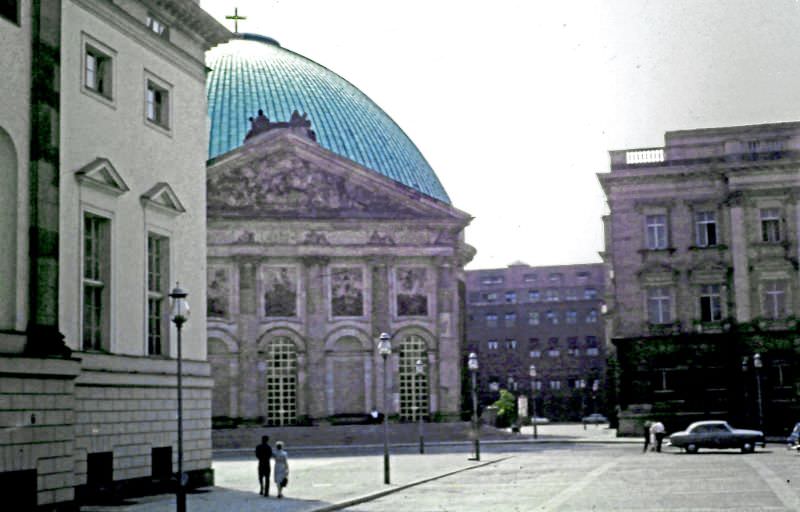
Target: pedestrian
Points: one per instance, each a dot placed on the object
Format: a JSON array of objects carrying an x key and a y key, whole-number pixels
[
  {"x": 281, "y": 468},
  {"x": 646, "y": 436},
  {"x": 263, "y": 454},
  {"x": 658, "y": 431}
]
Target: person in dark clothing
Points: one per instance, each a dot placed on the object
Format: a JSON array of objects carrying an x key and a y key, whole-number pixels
[
  {"x": 646, "y": 436},
  {"x": 263, "y": 454}
]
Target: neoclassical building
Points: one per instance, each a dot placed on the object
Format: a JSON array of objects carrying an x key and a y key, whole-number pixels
[
  {"x": 324, "y": 231},
  {"x": 102, "y": 140},
  {"x": 702, "y": 246}
]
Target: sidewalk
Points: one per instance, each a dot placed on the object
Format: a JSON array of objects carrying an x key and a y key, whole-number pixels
[{"x": 349, "y": 472}]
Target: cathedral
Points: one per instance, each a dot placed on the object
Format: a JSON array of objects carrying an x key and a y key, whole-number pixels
[{"x": 326, "y": 228}]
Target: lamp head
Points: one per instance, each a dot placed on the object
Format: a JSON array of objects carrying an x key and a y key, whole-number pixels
[
  {"x": 385, "y": 344},
  {"x": 472, "y": 362},
  {"x": 532, "y": 371},
  {"x": 757, "y": 360},
  {"x": 180, "y": 306},
  {"x": 420, "y": 367}
]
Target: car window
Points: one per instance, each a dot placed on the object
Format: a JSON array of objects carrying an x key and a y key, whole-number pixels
[
  {"x": 699, "y": 429},
  {"x": 717, "y": 428}
]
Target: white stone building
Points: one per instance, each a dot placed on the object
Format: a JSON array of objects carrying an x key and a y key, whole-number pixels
[{"x": 102, "y": 153}]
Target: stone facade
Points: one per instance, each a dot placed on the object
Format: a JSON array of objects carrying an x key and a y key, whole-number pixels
[
  {"x": 100, "y": 146},
  {"x": 310, "y": 258},
  {"x": 550, "y": 317},
  {"x": 702, "y": 247}
]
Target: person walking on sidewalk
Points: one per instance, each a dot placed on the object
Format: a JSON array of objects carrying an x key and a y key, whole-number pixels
[
  {"x": 646, "y": 436},
  {"x": 281, "y": 468},
  {"x": 263, "y": 454},
  {"x": 658, "y": 431}
]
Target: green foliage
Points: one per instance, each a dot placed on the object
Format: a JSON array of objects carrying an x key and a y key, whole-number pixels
[{"x": 506, "y": 409}]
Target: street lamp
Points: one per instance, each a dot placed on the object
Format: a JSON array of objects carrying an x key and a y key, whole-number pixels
[
  {"x": 180, "y": 314},
  {"x": 420, "y": 372},
  {"x": 757, "y": 364},
  {"x": 472, "y": 364},
  {"x": 532, "y": 373},
  {"x": 581, "y": 385},
  {"x": 384, "y": 349}
]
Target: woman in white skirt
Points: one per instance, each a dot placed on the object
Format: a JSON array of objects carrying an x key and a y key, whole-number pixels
[{"x": 281, "y": 468}]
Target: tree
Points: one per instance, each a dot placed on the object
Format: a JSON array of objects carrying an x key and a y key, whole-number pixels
[{"x": 506, "y": 409}]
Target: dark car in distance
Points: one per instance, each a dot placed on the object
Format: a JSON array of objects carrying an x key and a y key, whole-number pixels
[{"x": 717, "y": 435}]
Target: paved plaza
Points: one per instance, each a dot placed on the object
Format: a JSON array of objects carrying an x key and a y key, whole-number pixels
[{"x": 567, "y": 469}]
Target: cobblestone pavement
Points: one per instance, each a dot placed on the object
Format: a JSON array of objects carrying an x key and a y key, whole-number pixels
[{"x": 567, "y": 469}]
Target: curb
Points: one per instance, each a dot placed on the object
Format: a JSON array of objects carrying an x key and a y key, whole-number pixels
[
  {"x": 302, "y": 448},
  {"x": 386, "y": 492}
]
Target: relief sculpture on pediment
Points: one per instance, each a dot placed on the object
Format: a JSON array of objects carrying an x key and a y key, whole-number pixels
[{"x": 294, "y": 188}]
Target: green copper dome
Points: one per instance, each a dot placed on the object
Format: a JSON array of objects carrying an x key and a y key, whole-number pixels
[{"x": 254, "y": 72}]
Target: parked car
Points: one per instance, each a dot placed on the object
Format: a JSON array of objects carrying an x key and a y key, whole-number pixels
[
  {"x": 716, "y": 434},
  {"x": 595, "y": 418},
  {"x": 793, "y": 441}
]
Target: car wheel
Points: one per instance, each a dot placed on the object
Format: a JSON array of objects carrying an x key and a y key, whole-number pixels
[
  {"x": 748, "y": 447},
  {"x": 691, "y": 448}
]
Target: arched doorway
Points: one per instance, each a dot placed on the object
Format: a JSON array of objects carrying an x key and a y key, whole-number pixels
[
  {"x": 413, "y": 386},
  {"x": 280, "y": 407}
]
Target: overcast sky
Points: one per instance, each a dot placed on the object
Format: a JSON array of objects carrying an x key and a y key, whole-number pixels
[{"x": 516, "y": 103}]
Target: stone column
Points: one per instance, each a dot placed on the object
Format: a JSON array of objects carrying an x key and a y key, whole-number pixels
[
  {"x": 741, "y": 273},
  {"x": 448, "y": 346},
  {"x": 315, "y": 324},
  {"x": 247, "y": 326}
]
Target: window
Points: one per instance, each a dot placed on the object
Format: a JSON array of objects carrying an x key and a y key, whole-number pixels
[
  {"x": 494, "y": 384},
  {"x": 571, "y": 294},
  {"x": 96, "y": 262},
  {"x": 553, "y": 347},
  {"x": 706, "y": 225},
  {"x": 552, "y": 317},
  {"x": 535, "y": 354},
  {"x": 98, "y": 72},
  {"x": 491, "y": 319},
  {"x": 659, "y": 305},
  {"x": 583, "y": 276},
  {"x": 157, "y": 286},
  {"x": 774, "y": 299},
  {"x": 9, "y": 9},
  {"x": 511, "y": 319},
  {"x": 161, "y": 462},
  {"x": 572, "y": 346},
  {"x": 590, "y": 293},
  {"x": 511, "y": 344},
  {"x": 710, "y": 304},
  {"x": 770, "y": 225},
  {"x": 555, "y": 279},
  {"x": 492, "y": 280},
  {"x": 551, "y": 295},
  {"x": 157, "y": 26},
  {"x": 591, "y": 346},
  {"x": 511, "y": 297},
  {"x": 572, "y": 317},
  {"x": 656, "y": 231},
  {"x": 555, "y": 385},
  {"x": 533, "y": 295},
  {"x": 157, "y": 104},
  {"x": 533, "y": 318},
  {"x": 490, "y": 297},
  {"x": 492, "y": 344},
  {"x": 537, "y": 385},
  {"x": 591, "y": 316},
  {"x": 529, "y": 278}
]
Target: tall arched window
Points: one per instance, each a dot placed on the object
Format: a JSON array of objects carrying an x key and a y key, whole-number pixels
[
  {"x": 281, "y": 382},
  {"x": 413, "y": 386}
]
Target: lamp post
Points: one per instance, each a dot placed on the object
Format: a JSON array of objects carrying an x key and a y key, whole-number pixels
[
  {"x": 180, "y": 314},
  {"x": 757, "y": 364},
  {"x": 472, "y": 364},
  {"x": 420, "y": 372},
  {"x": 581, "y": 385},
  {"x": 595, "y": 387},
  {"x": 384, "y": 349},
  {"x": 532, "y": 373}
]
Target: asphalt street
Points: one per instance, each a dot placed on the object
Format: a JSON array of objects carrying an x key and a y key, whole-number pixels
[{"x": 510, "y": 477}]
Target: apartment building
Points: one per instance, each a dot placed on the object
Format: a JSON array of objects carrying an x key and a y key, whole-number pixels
[{"x": 548, "y": 317}]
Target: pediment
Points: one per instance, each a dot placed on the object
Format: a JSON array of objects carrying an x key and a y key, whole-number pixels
[
  {"x": 657, "y": 273},
  {"x": 101, "y": 174},
  {"x": 162, "y": 197},
  {"x": 309, "y": 182}
]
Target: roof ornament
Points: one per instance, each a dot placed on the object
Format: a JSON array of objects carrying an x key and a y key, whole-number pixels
[
  {"x": 298, "y": 124},
  {"x": 236, "y": 19}
]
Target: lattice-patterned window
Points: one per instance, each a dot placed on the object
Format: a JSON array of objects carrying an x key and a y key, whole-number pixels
[
  {"x": 157, "y": 283},
  {"x": 413, "y": 386},
  {"x": 281, "y": 382}
]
